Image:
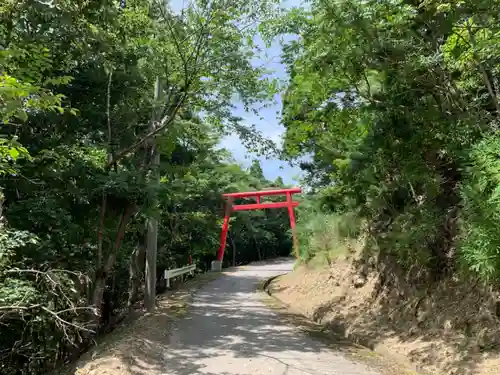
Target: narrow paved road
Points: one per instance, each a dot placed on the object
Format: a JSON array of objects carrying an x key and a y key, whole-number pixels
[{"x": 229, "y": 330}]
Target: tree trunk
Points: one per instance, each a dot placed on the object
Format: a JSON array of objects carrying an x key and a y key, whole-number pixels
[
  {"x": 259, "y": 255},
  {"x": 234, "y": 251},
  {"x": 103, "y": 272},
  {"x": 135, "y": 269}
]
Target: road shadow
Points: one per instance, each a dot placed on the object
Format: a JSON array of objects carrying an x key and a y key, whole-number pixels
[
  {"x": 227, "y": 322},
  {"x": 138, "y": 345},
  {"x": 281, "y": 265},
  {"x": 217, "y": 328}
]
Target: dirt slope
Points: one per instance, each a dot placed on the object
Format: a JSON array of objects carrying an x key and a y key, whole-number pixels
[{"x": 450, "y": 328}]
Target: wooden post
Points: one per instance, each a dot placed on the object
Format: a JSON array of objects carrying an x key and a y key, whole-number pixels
[{"x": 152, "y": 221}]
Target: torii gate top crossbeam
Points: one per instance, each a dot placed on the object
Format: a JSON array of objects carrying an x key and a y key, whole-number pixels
[{"x": 263, "y": 193}]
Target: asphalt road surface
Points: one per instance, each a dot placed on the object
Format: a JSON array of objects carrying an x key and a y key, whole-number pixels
[{"x": 229, "y": 331}]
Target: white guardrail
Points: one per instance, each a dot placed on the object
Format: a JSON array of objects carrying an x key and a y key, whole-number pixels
[{"x": 170, "y": 274}]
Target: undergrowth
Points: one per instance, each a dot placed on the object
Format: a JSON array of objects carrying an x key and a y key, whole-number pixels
[{"x": 325, "y": 237}]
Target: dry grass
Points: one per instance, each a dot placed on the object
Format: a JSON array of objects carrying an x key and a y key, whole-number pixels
[{"x": 450, "y": 328}]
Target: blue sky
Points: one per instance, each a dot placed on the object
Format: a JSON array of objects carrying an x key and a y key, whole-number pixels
[
  {"x": 269, "y": 126},
  {"x": 268, "y": 123}
]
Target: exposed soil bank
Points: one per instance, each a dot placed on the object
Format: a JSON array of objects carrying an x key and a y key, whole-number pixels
[{"x": 449, "y": 328}]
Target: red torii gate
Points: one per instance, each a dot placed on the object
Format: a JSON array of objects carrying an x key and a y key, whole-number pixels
[{"x": 289, "y": 203}]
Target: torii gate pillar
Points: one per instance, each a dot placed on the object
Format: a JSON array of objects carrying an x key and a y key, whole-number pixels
[{"x": 230, "y": 197}]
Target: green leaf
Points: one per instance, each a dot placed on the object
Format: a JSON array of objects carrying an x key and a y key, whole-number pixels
[{"x": 14, "y": 153}]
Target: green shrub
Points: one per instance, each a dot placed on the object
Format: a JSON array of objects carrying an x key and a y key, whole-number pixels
[
  {"x": 480, "y": 218},
  {"x": 326, "y": 235}
]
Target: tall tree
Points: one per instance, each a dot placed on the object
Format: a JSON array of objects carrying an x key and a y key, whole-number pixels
[
  {"x": 393, "y": 102},
  {"x": 78, "y": 109},
  {"x": 256, "y": 170}
]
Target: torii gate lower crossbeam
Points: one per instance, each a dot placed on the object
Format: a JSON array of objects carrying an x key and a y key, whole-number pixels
[{"x": 230, "y": 197}]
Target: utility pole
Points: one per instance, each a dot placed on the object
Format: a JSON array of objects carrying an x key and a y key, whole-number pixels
[{"x": 152, "y": 221}]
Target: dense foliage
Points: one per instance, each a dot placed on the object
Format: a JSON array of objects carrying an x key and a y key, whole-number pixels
[
  {"x": 112, "y": 116},
  {"x": 83, "y": 128},
  {"x": 395, "y": 103}
]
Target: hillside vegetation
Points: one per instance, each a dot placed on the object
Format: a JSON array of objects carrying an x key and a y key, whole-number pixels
[
  {"x": 396, "y": 103},
  {"x": 112, "y": 113},
  {"x": 393, "y": 107},
  {"x": 112, "y": 171}
]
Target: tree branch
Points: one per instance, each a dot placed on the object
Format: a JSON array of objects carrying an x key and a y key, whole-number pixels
[
  {"x": 166, "y": 120},
  {"x": 65, "y": 322},
  {"x": 484, "y": 74}
]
